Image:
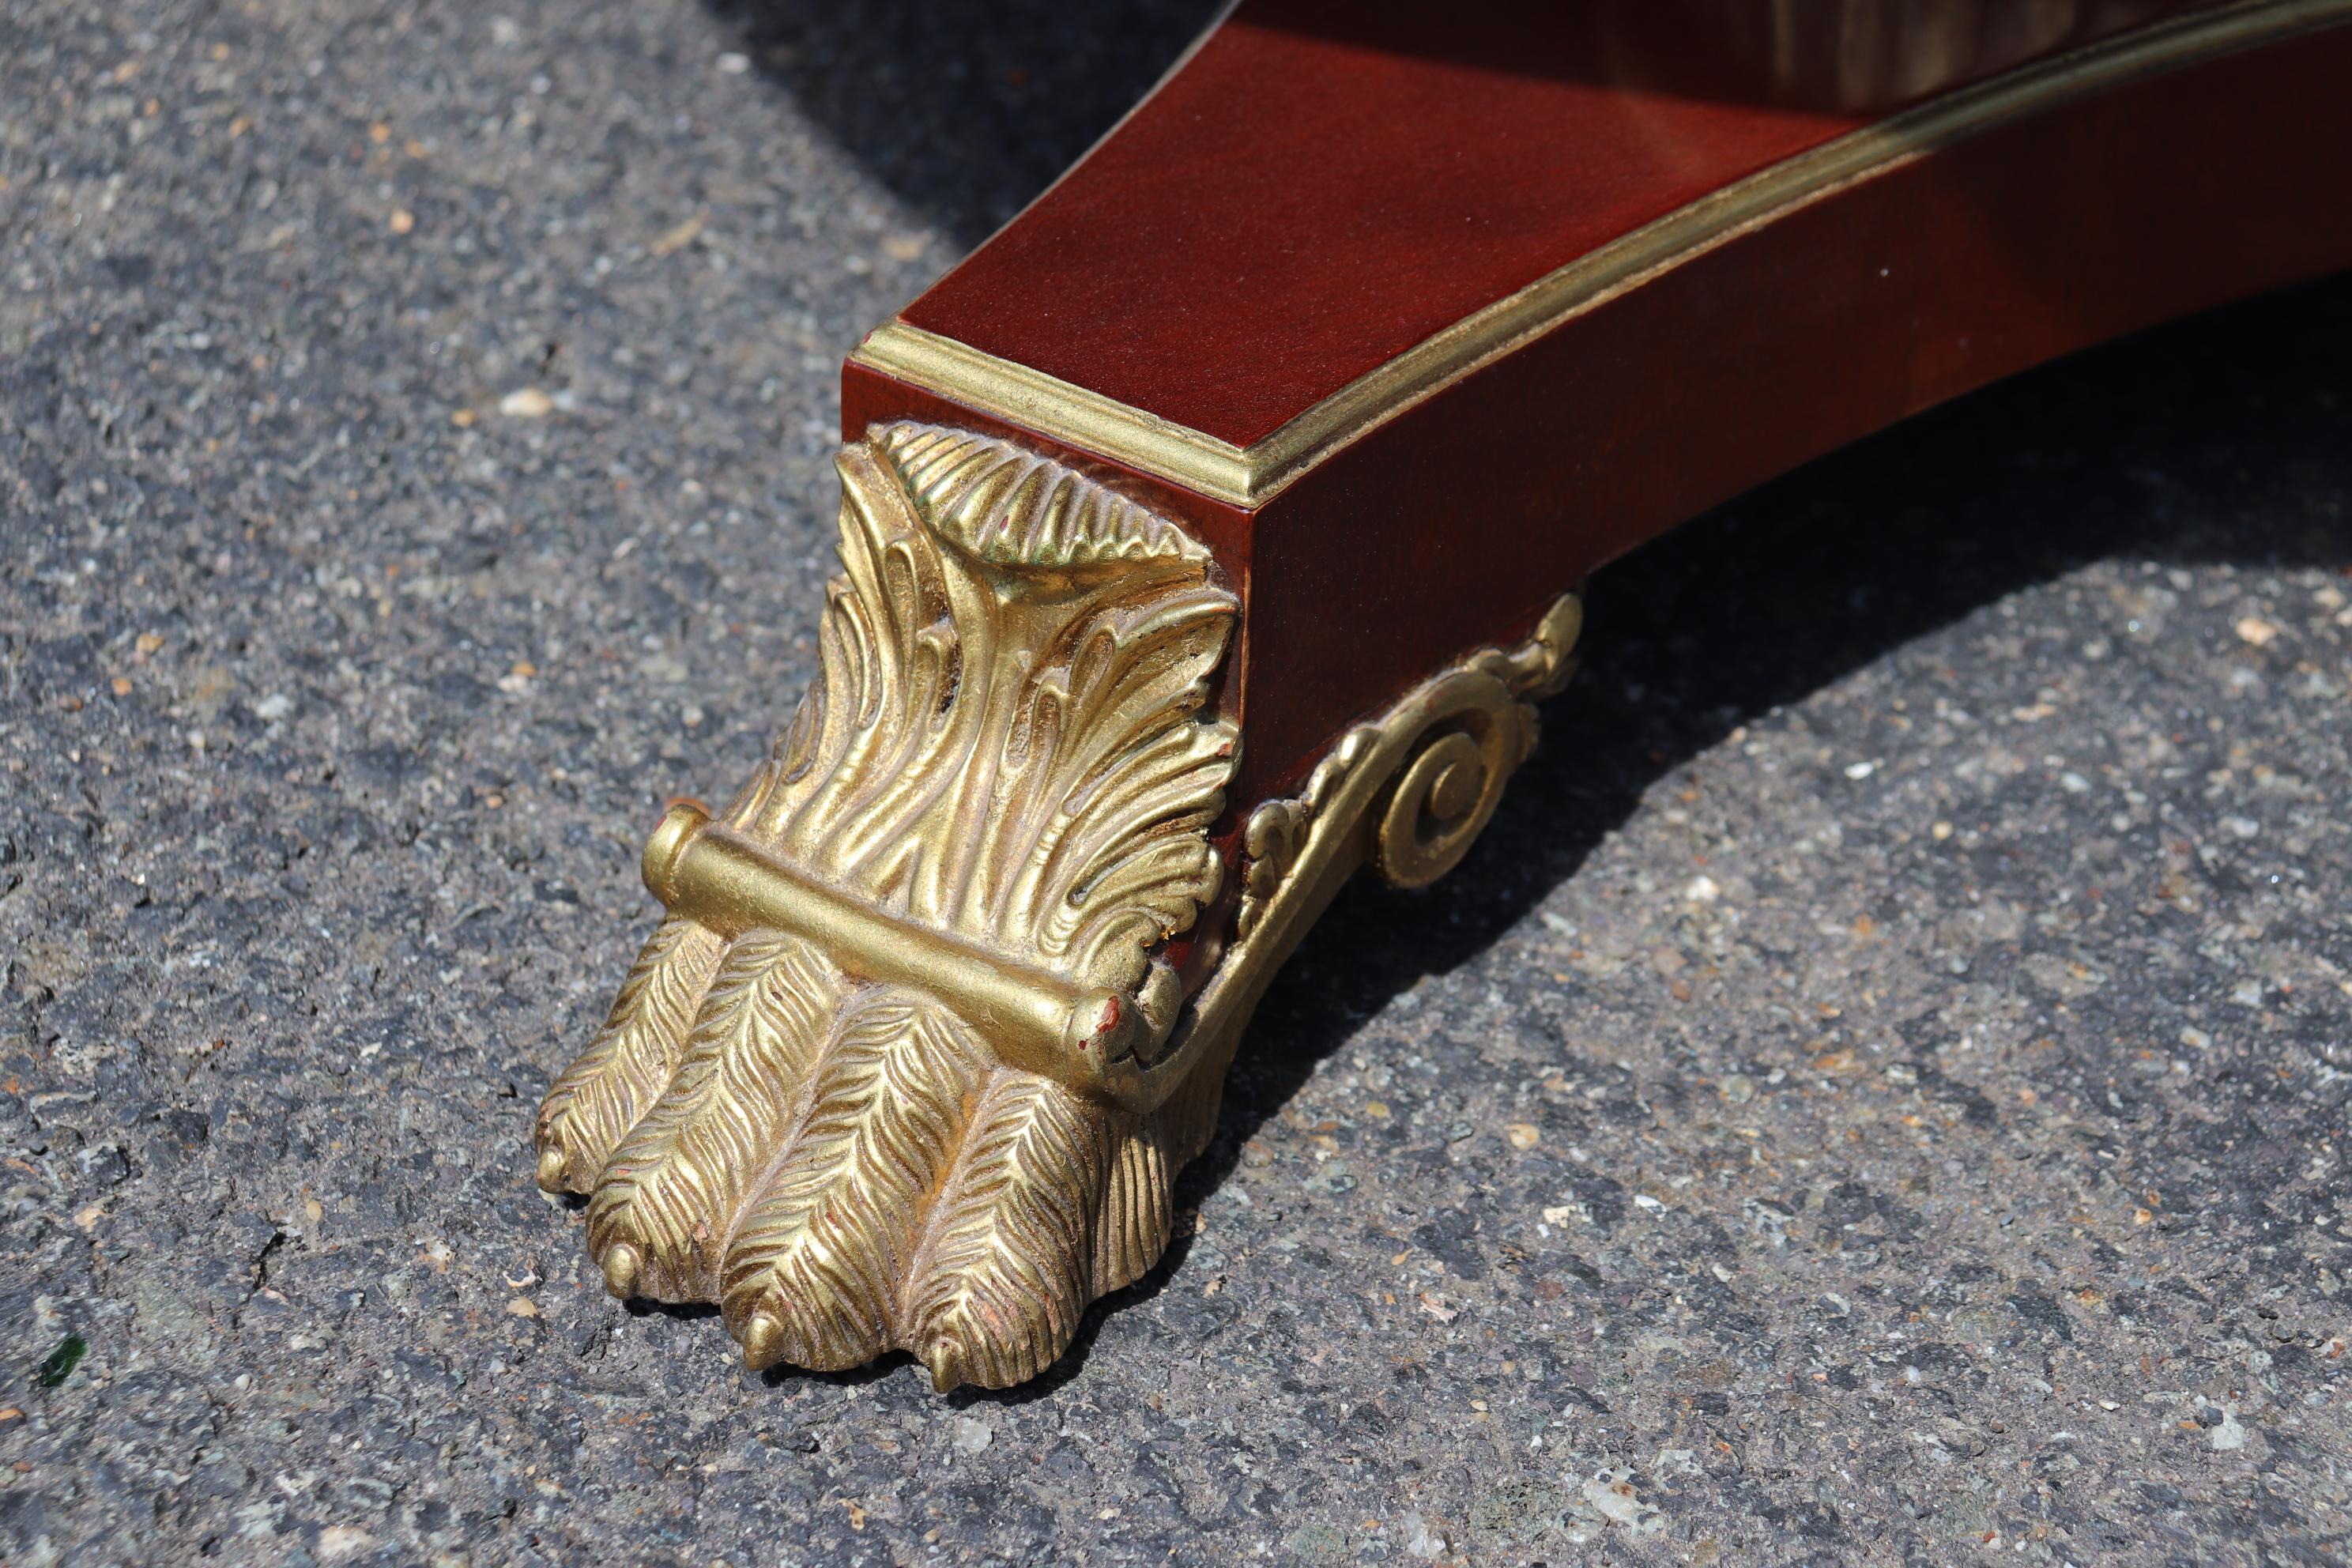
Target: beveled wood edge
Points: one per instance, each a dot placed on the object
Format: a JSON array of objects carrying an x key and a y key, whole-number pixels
[{"x": 1249, "y": 477}]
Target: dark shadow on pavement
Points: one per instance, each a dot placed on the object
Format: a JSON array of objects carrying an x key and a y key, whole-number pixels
[
  {"x": 2129, "y": 450},
  {"x": 966, "y": 109}
]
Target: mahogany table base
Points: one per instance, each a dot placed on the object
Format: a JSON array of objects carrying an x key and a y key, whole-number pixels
[{"x": 1207, "y": 536}]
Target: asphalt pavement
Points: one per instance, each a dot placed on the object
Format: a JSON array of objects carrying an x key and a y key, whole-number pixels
[{"x": 1878, "y": 1093}]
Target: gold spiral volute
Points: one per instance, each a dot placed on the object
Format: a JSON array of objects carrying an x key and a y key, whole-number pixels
[{"x": 1446, "y": 793}]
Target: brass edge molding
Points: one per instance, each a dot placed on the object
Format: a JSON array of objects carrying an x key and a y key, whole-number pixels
[
  {"x": 1059, "y": 411},
  {"x": 1250, "y": 477}
]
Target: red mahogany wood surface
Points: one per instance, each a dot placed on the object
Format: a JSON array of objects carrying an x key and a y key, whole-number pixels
[
  {"x": 1232, "y": 304},
  {"x": 1326, "y": 182}
]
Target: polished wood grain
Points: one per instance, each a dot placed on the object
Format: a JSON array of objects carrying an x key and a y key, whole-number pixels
[
  {"x": 1318, "y": 191},
  {"x": 1324, "y": 185}
]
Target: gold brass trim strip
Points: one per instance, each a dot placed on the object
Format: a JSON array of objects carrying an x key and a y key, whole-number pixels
[
  {"x": 1070, "y": 415},
  {"x": 1250, "y": 477}
]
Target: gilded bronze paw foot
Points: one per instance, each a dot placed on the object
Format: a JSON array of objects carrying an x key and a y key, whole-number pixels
[{"x": 915, "y": 1058}]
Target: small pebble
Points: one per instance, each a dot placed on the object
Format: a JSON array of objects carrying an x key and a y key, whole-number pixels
[{"x": 677, "y": 237}]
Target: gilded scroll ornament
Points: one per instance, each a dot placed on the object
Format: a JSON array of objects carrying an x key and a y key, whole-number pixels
[{"x": 905, "y": 1065}]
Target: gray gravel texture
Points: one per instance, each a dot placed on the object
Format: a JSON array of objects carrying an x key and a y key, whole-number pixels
[{"x": 1878, "y": 1095}]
